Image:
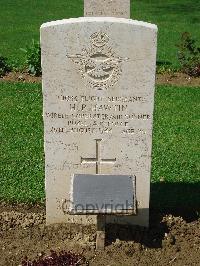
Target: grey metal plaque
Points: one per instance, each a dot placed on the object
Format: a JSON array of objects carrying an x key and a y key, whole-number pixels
[{"x": 103, "y": 194}]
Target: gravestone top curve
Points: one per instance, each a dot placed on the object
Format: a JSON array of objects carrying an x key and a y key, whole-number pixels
[{"x": 98, "y": 19}]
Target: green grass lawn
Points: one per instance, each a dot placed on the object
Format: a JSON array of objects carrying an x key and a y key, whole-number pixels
[
  {"x": 21, "y": 137},
  {"x": 20, "y": 22},
  {"x": 176, "y": 149},
  {"x": 176, "y": 154}
]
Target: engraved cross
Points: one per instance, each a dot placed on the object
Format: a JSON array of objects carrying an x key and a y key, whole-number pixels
[{"x": 97, "y": 160}]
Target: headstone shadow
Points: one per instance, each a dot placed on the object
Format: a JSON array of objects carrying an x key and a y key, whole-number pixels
[
  {"x": 176, "y": 199},
  {"x": 151, "y": 237}
]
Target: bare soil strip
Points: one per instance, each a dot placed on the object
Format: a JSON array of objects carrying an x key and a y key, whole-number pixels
[
  {"x": 178, "y": 79},
  {"x": 170, "y": 240}
]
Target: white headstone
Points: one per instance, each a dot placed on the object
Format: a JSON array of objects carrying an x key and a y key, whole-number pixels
[
  {"x": 98, "y": 89},
  {"x": 107, "y": 8}
]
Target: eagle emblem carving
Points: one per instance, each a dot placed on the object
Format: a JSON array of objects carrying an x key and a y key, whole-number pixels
[{"x": 99, "y": 64}]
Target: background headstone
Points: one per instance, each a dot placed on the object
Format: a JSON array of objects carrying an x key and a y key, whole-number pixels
[
  {"x": 98, "y": 90},
  {"x": 107, "y": 8}
]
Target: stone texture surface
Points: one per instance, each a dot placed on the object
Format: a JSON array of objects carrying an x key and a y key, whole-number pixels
[
  {"x": 107, "y": 8},
  {"x": 98, "y": 90}
]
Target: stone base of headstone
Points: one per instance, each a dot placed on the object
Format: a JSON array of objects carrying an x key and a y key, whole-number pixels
[{"x": 101, "y": 234}]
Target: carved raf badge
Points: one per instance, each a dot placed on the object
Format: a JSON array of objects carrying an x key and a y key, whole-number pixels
[{"x": 99, "y": 64}]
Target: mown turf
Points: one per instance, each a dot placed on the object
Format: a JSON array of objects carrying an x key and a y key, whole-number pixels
[
  {"x": 20, "y": 22},
  {"x": 176, "y": 154},
  {"x": 176, "y": 149},
  {"x": 21, "y": 137}
]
